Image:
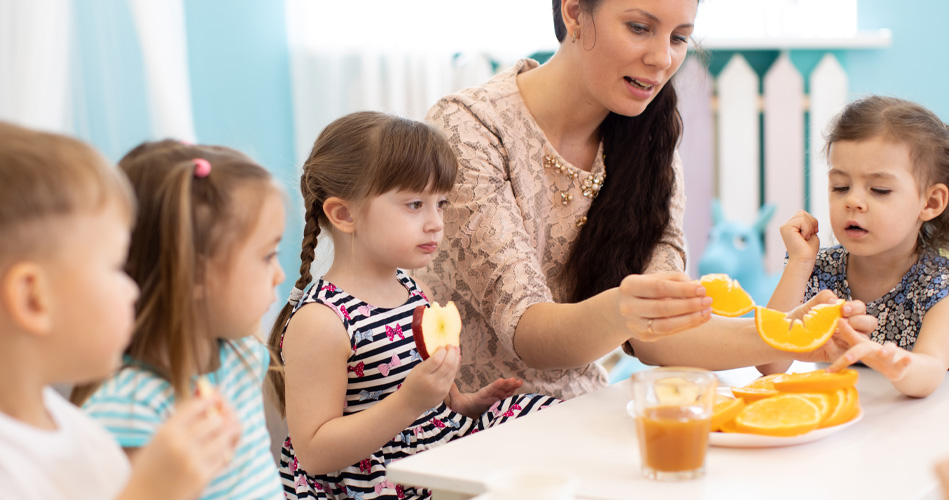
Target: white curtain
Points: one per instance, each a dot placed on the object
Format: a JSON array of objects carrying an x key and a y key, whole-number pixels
[
  {"x": 161, "y": 31},
  {"x": 34, "y": 63},
  {"x": 400, "y": 57}
]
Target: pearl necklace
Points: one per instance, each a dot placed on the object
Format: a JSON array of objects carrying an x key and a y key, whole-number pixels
[{"x": 590, "y": 185}]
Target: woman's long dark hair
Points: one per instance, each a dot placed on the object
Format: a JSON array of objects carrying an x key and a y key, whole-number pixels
[{"x": 628, "y": 216}]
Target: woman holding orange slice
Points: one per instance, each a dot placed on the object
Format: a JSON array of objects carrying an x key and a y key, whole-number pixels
[{"x": 564, "y": 239}]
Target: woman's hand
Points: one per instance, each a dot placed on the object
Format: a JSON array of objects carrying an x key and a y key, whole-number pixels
[
  {"x": 189, "y": 450},
  {"x": 800, "y": 237},
  {"x": 473, "y": 404},
  {"x": 652, "y": 306},
  {"x": 431, "y": 380},
  {"x": 853, "y": 328}
]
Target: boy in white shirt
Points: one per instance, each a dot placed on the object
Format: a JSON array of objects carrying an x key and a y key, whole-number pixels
[{"x": 66, "y": 315}]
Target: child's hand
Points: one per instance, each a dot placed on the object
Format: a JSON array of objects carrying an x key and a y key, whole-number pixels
[
  {"x": 942, "y": 472},
  {"x": 800, "y": 237},
  {"x": 473, "y": 404},
  {"x": 853, "y": 328},
  {"x": 885, "y": 358},
  {"x": 187, "y": 452},
  {"x": 429, "y": 382}
]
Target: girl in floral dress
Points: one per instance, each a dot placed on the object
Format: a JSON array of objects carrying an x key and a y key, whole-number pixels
[{"x": 889, "y": 171}]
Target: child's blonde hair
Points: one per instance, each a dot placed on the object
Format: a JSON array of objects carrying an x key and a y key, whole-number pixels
[
  {"x": 184, "y": 220},
  {"x": 356, "y": 157},
  {"x": 900, "y": 121},
  {"x": 45, "y": 176}
]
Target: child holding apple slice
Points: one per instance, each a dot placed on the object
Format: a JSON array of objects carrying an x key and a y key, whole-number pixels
[{"x": 355, "y": 389}]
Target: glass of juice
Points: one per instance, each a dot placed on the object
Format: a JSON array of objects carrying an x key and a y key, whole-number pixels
[{"x": 673, "y": 409}]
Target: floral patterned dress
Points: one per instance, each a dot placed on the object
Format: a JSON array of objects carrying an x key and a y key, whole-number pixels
[
  {"x": 900, "y": 311},
  {"x": 383, "y": 353}
]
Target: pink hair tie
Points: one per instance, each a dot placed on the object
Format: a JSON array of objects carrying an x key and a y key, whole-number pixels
[{"x": 202, "y": 167}]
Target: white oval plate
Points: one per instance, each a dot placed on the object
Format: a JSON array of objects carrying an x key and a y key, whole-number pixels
[{"x": 741, "y": 440}]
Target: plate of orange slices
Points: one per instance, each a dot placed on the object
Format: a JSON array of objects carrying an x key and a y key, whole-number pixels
[{"x": 785, "y": 409}]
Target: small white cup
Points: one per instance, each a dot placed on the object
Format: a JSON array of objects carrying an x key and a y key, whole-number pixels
[{"x": 530, "y": 484}]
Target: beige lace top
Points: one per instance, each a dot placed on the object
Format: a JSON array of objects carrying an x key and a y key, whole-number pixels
[{"x": 508, "y": 233}]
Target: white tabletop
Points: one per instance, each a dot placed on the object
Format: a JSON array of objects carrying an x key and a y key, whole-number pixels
[{"x": 889, "y": 454}]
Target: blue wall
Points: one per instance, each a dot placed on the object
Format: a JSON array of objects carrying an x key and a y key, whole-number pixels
[
  {"x": 915, "y": 67},
  {"x": 240, "y": 90},
  {"x": 240, "y": 87}
]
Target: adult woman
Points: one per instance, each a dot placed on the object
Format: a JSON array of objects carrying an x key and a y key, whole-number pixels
[{"x": 549, "y": 279}]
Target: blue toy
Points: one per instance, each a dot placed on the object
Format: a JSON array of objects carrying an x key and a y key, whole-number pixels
[{"x": 734, "y": 248}]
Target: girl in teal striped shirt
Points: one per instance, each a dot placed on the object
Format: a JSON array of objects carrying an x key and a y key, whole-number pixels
[{"x": 203, "y": 253}]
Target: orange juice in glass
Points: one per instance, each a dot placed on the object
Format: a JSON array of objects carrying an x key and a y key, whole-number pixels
[{"x": 673, "y": 409}]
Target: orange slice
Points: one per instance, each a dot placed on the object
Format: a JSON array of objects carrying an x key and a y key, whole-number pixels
[
  {"x": 815, "y": 381},
  {"x": 728, "y": 298},
  {"x": 757, "y": 390},
  {"x": 840, "y": 408},
  {"x": 729, "y": 427},
  {"x": 782, "y": 415},
  {"x": 823, "y": 402},
  {"x": 779, "y": 332},
  {"x": 854, "y": 407},
  {"x": 725, "y": 411}
]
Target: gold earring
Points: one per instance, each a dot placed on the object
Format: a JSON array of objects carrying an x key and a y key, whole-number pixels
[{"x": 573, "y": 38}]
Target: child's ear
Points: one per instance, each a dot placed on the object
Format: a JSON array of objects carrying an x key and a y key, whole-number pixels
[
  {"x": 25, "y": 297},
  {"x": 937, "y": 197},
  {"x": 340, "y": 214}
]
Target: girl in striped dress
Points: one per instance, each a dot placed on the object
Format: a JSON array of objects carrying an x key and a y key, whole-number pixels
[
  {"x": 203, "y": 252},
  {"x": 354, "y": 389}
]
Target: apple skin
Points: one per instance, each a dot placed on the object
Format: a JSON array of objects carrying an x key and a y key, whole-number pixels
[{"x": 417, "y": 331}]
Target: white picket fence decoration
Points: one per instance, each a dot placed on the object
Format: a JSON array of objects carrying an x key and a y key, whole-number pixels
[{"x": 733, "y": 127}]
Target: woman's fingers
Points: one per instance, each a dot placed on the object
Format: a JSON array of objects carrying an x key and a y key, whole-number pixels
[
  {"x": 658, "y": 328},
  {"x": 664, "y": 308},
  {"x": 661, "y": 286}
]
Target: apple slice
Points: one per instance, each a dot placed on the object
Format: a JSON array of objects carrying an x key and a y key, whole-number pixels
[
  {"x": 205, "y": 390},
  {"x": 435, "y": 327}
]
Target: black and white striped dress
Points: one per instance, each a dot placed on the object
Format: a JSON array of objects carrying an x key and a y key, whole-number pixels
[{"x": 383, "y": 353}]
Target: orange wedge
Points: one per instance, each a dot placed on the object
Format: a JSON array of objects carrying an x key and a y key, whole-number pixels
[
  {"x": 728, "y": 298},
  {"x": 759, "y": 389},
  {"x": 782, "y": 415},
  {"x": 725, "y": 411},
  {"x": 779, "y": 332},
  {"x": 815, "y": 381}
]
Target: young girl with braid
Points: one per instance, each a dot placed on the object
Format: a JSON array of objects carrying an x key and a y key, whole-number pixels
[{"x": 355, "y": 391}]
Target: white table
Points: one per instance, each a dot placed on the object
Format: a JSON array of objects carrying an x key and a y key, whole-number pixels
[{"x": 889, "y": 454}]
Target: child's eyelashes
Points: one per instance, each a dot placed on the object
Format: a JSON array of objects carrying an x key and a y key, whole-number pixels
[
  {"x": 418, "y": 205},
  {"x": 840, "y": 189},
  {"x": 271, "y": 256},
  {"x": 881, "y": 191}
]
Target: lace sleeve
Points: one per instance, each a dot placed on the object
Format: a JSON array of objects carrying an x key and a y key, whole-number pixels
[{"x": 489, "y": 258}]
